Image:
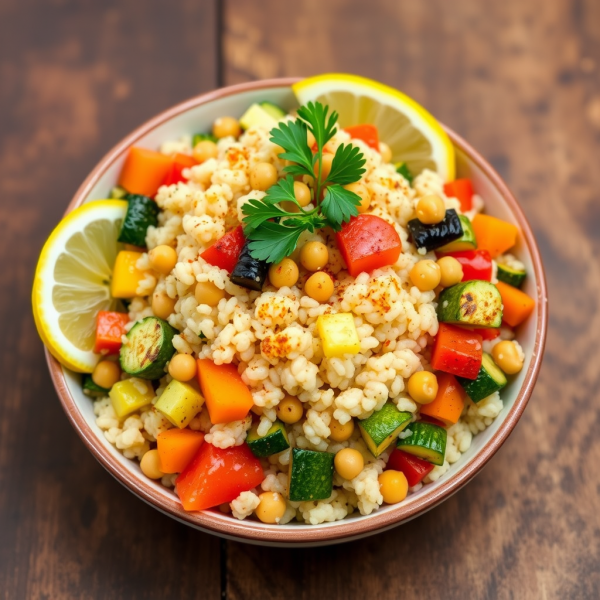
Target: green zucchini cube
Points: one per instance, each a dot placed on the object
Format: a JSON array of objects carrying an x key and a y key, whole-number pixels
[
  {"x": 275, "y": 440},
  {"x": 490, "y": 379},
  {"x": 427, "y": 441},
  {"x": 383, "y": 427},
  {"x": 476, "y": 303},
  {"x": 310, "y": 475},
  {"x": 467, "y": 241}
]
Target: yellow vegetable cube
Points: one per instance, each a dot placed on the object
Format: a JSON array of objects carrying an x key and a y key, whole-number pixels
[
  {"x": 129, "y": 395},
  {"x": 179, "y": 403},
  {"x": 338, "y": 334},
  {"x": 126, "y": 276}
]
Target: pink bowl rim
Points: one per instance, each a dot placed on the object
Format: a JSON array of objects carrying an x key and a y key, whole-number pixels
[{"x": 256, "y": 532}]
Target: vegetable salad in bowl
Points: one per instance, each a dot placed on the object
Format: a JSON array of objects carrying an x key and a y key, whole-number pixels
[{"x": 294, "y": 316}]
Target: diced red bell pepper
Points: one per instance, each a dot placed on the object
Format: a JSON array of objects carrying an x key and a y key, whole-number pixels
[
  {"x": 476, "y": 264},
  {"x": 226, "y": 251},
  {"x": 175, "y": 173},
  {"x": 367, "y": 133},
  {"x": 488, "y": 334},
  {"x": 218, "y": 475},
  {"x": 461, "y": 189},
  {"x": 414, "y": 468},
  {"x": 110, "y": 327},
  {"x": 368, "y": 242},
  {"x": 457, "y": 351}
]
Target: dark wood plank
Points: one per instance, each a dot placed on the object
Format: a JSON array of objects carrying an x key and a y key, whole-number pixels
[
  {"x": 520, "y": 81},
  {"x": 76, "y": 77}
]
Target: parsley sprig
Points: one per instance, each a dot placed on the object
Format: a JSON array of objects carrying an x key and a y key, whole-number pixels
[{"x": 274, "y": 231}]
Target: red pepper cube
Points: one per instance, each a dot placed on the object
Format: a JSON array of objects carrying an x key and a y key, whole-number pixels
[
  {"x": 224, "y": 253},
  {"x": 218, "y": 475},
  {"x": 476, "y": 264},
  {"x": 367, "y": 133},
  {"x": 457, "y": 351},
  {"x": 414, "y": 468},
  {"x": 175, "y": 173},
  {"x": 462, "y": 189},
  {"x": 367, "y": 242},
  {"x": 110, "y": 327}
]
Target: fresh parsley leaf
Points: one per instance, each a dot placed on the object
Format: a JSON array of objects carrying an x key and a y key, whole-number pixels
[
  {"x": 291, "y": 137},
  {"x": 339, "y": 205},
  {"x": 402, "y": 168},
  {"x": 274, "y": 241},
  {"x": 283, "y": 191},
  {"x": 321, "y": 126},
  {"x": 347, "y": 166}
]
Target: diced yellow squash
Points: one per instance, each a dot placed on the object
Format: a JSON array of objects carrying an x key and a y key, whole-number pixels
[
  {"x": 179, "y": 403},
  {"x": 129, "y": 395},
  {"x": 338, "y": 334},
  {"x": 126, "y": 276}
]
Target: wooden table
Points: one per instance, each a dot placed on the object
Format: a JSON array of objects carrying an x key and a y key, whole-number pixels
[{"x": 519, "y": 79}]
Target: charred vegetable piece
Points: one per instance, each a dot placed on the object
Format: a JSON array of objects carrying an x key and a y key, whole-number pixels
[
  {"x": 141, "y": 213},
  {"x": 249, "y": 272},
  {"x": 466, "y": 241},
  {"x": 432, "y": 237},
  {"x": 477, "y": 303}
]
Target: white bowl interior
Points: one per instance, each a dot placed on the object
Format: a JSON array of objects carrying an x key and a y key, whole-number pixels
[{"x": 200, "y": 119}]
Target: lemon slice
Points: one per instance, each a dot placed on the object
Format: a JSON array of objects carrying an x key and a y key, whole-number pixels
[
  {"x": 72, "y": 281},
  {"x": 413, "y": 135}
]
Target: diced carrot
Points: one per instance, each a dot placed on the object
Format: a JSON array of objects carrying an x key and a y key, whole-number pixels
[
  {"x": 144, "y": 171},
  {"x": 494, "y": 235},
  {"x": 367, "y": 133},
  {"x": 110, "y": 327},
  {"x": 227, "y": 396},
  {"x": 176, "y": 448},
  {"x": 462, "y": 190},
  {"x": 517, "y": 304},
  {"x": 449, "y": 402}
]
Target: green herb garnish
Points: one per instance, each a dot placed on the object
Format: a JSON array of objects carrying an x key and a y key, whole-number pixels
[{"x": 273, "y": 231}]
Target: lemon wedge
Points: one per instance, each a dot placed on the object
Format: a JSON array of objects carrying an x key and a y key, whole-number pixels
[
  {"x": 413, "y": 135},
  {"x": 72, "y": 281}
]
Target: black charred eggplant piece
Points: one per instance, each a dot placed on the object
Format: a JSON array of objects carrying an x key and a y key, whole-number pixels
[
  {"x": 248, "y": 271},
  {"x": 435, "y": 236}
]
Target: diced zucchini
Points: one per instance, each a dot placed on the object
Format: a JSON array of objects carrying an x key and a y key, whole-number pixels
[
  {"x": 275, "y": 440},
  {"x": 179, "y": 403},
  {"x": 489, "y": 380},
  {"x": 383, "y": 427},
  {"x": 118, "y": 193},
  {"x": 126, "y": 276},
  {"x": 427, "y": 441},
  {"x": 257, "y": 115},
  {"x": 403, "y": 169},
  {"x": 275, "y": 111},
  {"x": 432, "y": 237},
  {"x": 466, "y": 241},
  {"x": 510, "y": 270},
  {"x": 249, "y": 272},
  {"x": 141, "y": 213},
  {"x": 338, "y": 334},
  {"x": 130, "y": 395},
  {"x": 203, "y": 137},
  {"x": 310, "y": 475},
  {"x": 92, "y": 389},
  {"x": 148, "y": 349},
  {"x": 475, "y": 302}
]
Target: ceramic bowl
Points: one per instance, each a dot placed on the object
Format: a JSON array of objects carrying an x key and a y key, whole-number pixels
[{"x": 198, "y": 114}]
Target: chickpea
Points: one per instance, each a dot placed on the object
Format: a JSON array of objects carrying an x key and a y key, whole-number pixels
[
  {"x": 310, "y": 139},
  {"x": 386, "y": 152},
  {"x": 302, "y": 193},
  {"x": 423, "y": 387},
  {"x": 339, "y": 432},
  {"x": 451, "y": 271},
  {"x": 507, "y": 357},
  {"x": 426, "y": 275},
  {"x": 290, "y": 410},
  {"x": 225, "y": 127},
  {"x": 360, "y": 189},
  {"x": 271, "y": 507},
  {"x": 314, "y": 256},
  {"x": 326, "y": 169},
  {"x": 182, "y": 367},
  {"x": 207, "y": 292},
  {"x": 163, "y": 259},
  {"x": 393, "y": 486},
  {"x": 150, "y": 465},
  {"x": 106, "y": 374},
  {"x": 284, "y": 273},
  {"x": 431, "y": 209},
  {"x": 319, "y": 286},
  {"x": 349, "y": 463},
  {"x": 262, "y": 176},
  {"x": 162, "y": 305},
  {"x": 204, "y": 150}
]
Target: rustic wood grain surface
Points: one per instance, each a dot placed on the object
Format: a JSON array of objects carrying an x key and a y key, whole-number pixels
[{"x": 519, "y": 80}]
